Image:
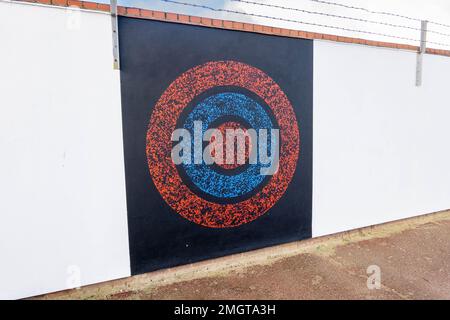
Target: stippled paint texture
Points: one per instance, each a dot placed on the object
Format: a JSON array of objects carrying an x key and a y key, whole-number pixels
[{"x": 163, "y": 122}]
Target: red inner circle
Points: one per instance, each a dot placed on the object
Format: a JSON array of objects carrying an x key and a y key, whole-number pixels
[{"x": 236, "y": 148}]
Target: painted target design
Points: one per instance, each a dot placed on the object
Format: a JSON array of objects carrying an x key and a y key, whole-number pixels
[{"x": 222, "y": 95}]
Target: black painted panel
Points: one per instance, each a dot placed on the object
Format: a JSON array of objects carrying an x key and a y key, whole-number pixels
[{"x": 153, "y": 55}]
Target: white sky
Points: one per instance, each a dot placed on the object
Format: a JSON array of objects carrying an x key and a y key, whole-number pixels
[{"x": 436, "y": 10}]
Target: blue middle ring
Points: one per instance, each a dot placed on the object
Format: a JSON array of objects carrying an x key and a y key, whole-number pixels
[{"x": 209, "y": 111}]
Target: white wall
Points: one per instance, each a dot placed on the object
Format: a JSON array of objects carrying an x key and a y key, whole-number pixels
[
  {"x": 381, "y": 145},
  {"x": 61, "y": 165}
]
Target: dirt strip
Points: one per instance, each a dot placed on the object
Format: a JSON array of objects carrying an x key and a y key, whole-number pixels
[{"x": 413, "y": 257}]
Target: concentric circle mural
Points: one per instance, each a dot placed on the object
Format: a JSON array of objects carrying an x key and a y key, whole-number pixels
[
  {"x": 223, "y": 95},
  {"x": 217, "y": 135}
]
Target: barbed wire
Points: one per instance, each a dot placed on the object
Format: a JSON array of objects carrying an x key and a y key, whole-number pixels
[
  {"x": 376, "y": 12},
  {"x": 298, "y": 21},
  {"x": 339, "y": 16}
]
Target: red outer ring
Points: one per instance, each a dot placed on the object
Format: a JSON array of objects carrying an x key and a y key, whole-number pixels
[{"x": 163, "y": 122}]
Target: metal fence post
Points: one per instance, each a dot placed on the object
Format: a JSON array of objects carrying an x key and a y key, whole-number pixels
[
  {"x": 115, "y": 34},
  {"x": 423, "y": 48}
]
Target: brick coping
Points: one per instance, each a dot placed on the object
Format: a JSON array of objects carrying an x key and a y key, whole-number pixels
[{"x": 229, "y": 25}]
